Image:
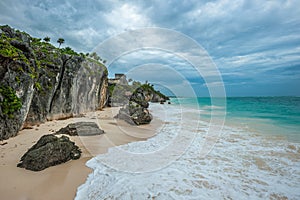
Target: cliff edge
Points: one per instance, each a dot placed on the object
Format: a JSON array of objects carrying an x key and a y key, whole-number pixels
[{"x": 39, "y": 82}]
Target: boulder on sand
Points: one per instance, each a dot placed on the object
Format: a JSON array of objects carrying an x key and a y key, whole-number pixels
[
  {"x": 81, "y": 129},
  {"x": 49, "y": 151}
]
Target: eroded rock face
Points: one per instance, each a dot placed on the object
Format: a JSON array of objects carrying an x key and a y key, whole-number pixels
[
  {"x": 136, "y": 112},
  {"x": 49, "y": 151},
  {"x": 49, "y": 83},
  {"x": 158, "y": 99},
  {"x": 141, "y": 115},
  {"x": 16, "y": 69},
  {"x": 135, "y": 115},
  {"x": 141, "y": 97},
  {"x": 81, "y": 129},
  {"x": 80, "y": 87}
]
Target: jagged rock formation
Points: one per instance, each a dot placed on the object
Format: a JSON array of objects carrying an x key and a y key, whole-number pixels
[
  {"x": 135, "y": 100},
  {"x": 135, "y": 111},
  {"x": 39, "y": 82},
  {"x": 119, "y": 79},
  {"x": 121, "y": 93},
  {"x": 156, "y": 98},
  {"x": 49, "y": 151},
  {"x": 135, "y": 114},
  {"x": 81, "y": 129}
]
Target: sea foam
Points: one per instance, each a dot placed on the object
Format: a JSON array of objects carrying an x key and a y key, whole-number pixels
[{"x": 242, "y": 165}]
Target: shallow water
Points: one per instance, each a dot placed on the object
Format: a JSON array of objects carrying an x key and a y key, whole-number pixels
[
  {"x": 267, "y": 115},
  {"x": 244, "y": 163}
]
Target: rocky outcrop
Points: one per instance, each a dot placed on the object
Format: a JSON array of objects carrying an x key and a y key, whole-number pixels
[
  {"x": 141, "y": 97},
  {"x": 136, "y": 112},
  {"x": 134, "y": 100},
  {"x": 158, "y": 99},
  {"x": 82, "y": 88},
  {"x": 16, "y": 77},
  {"x": 49, "y": 151},
  {"x": 121, "y": 94},
  {"x": 81, "y": 129},
  {"x": 50, "y": 83}
]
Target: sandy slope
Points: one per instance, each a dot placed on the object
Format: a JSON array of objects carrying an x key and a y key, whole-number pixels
[{"x": 61, "y": 182}]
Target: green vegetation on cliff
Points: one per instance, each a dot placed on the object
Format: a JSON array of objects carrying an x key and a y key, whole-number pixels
[
  {"x": 150, "y": 89},
  {"x": 44, "y": 51},
  {"x": 9, "y": 51},
  {"x": 46, "y": 81},
  {"x": 122, "y": 93},
  {"x": 36, "y": 54},
  {"x": 9, "y": 102}
]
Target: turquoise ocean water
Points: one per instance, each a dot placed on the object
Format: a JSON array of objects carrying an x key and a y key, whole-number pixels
[
  {"x": 255, "y": 156},
  {"x": 267, "y": 115}
]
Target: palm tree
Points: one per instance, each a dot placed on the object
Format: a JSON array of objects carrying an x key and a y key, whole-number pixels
[
  {"x": 46, "y": 39},
  {"x": 60, "y": 41}
]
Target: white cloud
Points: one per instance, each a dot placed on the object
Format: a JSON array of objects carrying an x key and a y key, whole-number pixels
[
  {"x": 86, "y": 36},
  {"x": 247, "y": 39},
  {"x": 126, "y": 17}
]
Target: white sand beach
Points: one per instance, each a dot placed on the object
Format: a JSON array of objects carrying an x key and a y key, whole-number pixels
[{"x": 61, "y": 181}]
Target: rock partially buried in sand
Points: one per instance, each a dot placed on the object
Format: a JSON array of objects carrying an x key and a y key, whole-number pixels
[
  {"x": 81, "y": 129},
  {"x": 49, "y": 151}
]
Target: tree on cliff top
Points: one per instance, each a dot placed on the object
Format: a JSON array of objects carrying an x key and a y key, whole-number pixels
[
  {"x": 60, "y": 41},
  {"x": 95, "y": 56},
  {"x": 46, "y": 39}
]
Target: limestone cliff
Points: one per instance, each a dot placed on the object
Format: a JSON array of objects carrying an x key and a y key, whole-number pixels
[{"x": 40, "y": 82}]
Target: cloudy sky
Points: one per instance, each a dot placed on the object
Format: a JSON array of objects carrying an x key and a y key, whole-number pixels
[{"x": 254, "y": 44}]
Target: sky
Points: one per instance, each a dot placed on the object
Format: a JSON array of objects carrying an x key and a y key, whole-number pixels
[{"x": 254, "y": 44}]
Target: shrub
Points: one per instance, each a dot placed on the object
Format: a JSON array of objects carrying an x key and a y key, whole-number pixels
[{"x": 10, "y": 103}]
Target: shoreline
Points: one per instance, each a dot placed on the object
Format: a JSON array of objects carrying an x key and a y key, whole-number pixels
[
  {"x": 61, "y": 181},
  {"x": 265, "y": 167}
]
